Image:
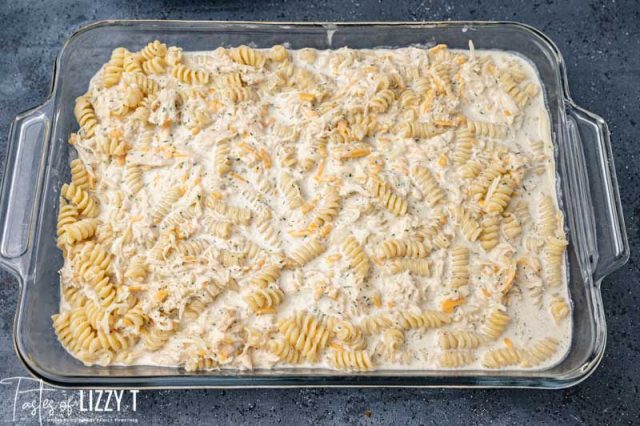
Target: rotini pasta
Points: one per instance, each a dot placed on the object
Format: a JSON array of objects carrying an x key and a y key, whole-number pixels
[
  {"x": 428, "y": 185},
  {"x": 305, "y": 333},
  {"x": 350, "y": 335},
  {"x": 559, "y": 309},
  {"x": 389, "y": 249},
  {"x": 328, "y": 209},
  {"x": 347, "y": 360},
  {"x": 350, "y": 209},
  {"x": 425, "y": 319},
  {"x": 306, "y": 252},
  {"x": 236, "y": 215},
  {"x": 459, "y": 266},
  {"x": 268, "y": 275},
  {"x": 387, "y": 198},
  {"x": 358, "y": 260},
  {"x": 495, "y": 324},
  {"x": 553, "y": 257},
  {"x": 501, "y": 358},
  {"x": 86, "y": 116},
  {"x": 290, "y": 190},
  {"x": 460, "y": 340},
  {"x": 186, "y": 75},
  {"x": 285, "y": 352},
  {"x": 247, "y": 56},
  {"x": 469, "y": 226},
  {"x": 455, "y": 359},
  {"x": 265, "y": 300},
  {"x": 376, "y": 323},
  {"x": 540, "y": 351},
  {"x": 415, "y": 266},
  {"x": 490, "y": 235}
]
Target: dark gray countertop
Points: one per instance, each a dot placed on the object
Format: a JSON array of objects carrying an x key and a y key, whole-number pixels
[{"x": 600, "y": 42}]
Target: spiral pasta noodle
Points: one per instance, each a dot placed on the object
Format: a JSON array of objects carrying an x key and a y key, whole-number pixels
[
  {"x": 328, "y": 209},
  {"x": 428, "y": 185},
  {"x": 459, "y": 266},
  {"x": 381, "y": 101},
  {"x": 520, "y": 95},
  {"x": 459, "y": 340},
  {"x": 547, "y": 217},
  {"x": 350, "y": 335},
  {"x": 268, "y": 275},
  {"x": 222, "y": 160},
  {"x": 559, "y": 309},
  {"x": 426, "y": 319},
  {"x": 112, "y": 146},
  {"x": 154, "y": 49},
  {"x": 387, "y": 198},
  {"x": 490, "y": 235},
  {"x": 487, "y": 130},
  {"x": 347, "y": 360},
  {"x": 469, "y": 226},
  {"x": 511, "y": 226},
  {"x": 308, "y": 251},
  {"x": 74, "y": 296},
  {"x": 155, "y": 65},
  {"x": 465, "y": 140},
  {"x": 189, "y": 76},
  {"x": 154, "y": 338},
  {"x": 86, "y": 116},
  {"x": 191, "y": 248},
  {"x": 393, "y": 248},
  {"x": 420, "y": 130},
  {"x": 285, "y": 352},
  {"x": 375, "y": 324},
  {"x": 80, "y": 230},
  {"x": 495, "y": 324},
  {"x": 418, "y": 267},
  {"x": 79, "y": 175},
  {"x": 497, "y": 200},
  {"x": 501, "y": 358},
  {"x": 133, "y": 178},
  {"x": 247, "y": 56},
  {"x": 540, "y": 351},
  {"x": 553, "y": 257},
  {"x": 236, "y": 215},
  {"x": 113, "y": 69},
  {"x": 142, "y": 82},
  {"x": 392, "y": 341},
  {"x": 305, "y": 333},
  {"x": 265, "y": 300},
  {"x": 268, "y": 231},
  {"x": 290, "y": 190},
  {"x": 358, "y": 260},
  {"x": 164, "y": 205},
  {"x": 68, "y": 214},
  {"x": 490, "y": 174},
  {"x": 136, "y": 270}
]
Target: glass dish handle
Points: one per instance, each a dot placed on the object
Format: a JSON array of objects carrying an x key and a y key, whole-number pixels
[
  {"x": 591, "y": 134},
  {"x": 21, "y": 184}
]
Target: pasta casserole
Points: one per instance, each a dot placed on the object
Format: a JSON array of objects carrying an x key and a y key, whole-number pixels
[{"x": 345, "y": 209}]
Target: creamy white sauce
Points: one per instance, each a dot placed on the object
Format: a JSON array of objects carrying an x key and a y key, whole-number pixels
[{"x": 227, "y": 324}]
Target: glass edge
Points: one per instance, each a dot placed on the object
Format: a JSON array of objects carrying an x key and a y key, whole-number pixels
[
  {"x": 178, "y": 382},
  {"x": 613, "y": 197}
]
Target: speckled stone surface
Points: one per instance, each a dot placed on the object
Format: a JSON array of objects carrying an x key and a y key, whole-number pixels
[{"x": 600, "y": 42}]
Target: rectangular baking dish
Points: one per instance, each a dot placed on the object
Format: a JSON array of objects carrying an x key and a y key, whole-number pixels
[{"x": 37, "y": 166}]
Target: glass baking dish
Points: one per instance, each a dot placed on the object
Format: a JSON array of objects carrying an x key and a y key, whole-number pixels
[{"x": 37, "y": 166}]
